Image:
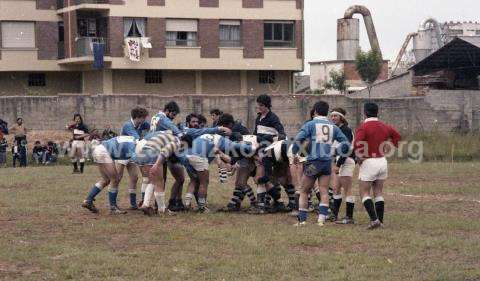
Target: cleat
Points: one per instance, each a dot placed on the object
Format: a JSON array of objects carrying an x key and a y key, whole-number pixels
[
  {"x": 133, "y": 208},
  {"x": 331, "y": 217},
  {"x": 345, "y": 220},
  {"x": 374, "y": 225},
  {"x": 300, "y": 224},
  {"x": 90, "y": 206},
  {"x": 117, "y": 211},
  {"x": 278, "y": 207},
  {"x": 204, "y": 210},
  {"x": 320, "y": 222},
  {"x": 148, "y": 211},
  {"x": 255, "y": 210},
  {"x": 230, "y": 208}
]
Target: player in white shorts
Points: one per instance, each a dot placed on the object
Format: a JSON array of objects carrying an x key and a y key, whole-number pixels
[
  {"x": 372, "y": 138},
  {"x": 343, "y": 169}
]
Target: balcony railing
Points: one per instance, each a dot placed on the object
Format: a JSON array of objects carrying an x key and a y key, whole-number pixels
[
  {"x": 182, "y": 43},
  {"x": 84, "y": 45},
  {"x": 79, "y": 2}
]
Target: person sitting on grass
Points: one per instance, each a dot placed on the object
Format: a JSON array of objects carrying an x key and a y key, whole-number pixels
[
  {"x": 51, "y": 153},
  {"x": 38, "y": 153}
]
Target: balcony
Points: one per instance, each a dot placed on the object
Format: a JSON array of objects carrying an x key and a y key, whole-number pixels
[
  {"x": 84, "y": 5},
  {"x": 84, "y": 45}
]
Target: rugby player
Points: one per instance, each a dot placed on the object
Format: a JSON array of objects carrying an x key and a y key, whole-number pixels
[
  {"x": 343, "y": 168},
  {"x": 77, "y": 149},
  {"x": 104, "y": 154},
  {"x": 321, "y": 133},
  {"x": 372, "y": 139},
  {"x": 136, "y": 127},
  {"x": 203, "y": 151}
]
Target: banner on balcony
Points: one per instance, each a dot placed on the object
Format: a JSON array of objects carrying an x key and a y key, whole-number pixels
[
  {"x": 132, "y": 48},
  {"x": 98, "y": 55}
]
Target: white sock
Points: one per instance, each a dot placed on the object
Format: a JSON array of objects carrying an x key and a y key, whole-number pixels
[
  {"x": 144, "y": 184},
  {"x": 160, "y": 198},
  {"x": 188, "y": 199},
  {"x": 148, "y": 195}
]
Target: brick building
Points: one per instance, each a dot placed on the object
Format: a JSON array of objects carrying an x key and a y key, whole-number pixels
[{"x": 196, "y": 46}]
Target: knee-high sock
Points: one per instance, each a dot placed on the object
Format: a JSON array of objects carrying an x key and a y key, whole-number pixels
[
  {"x": 188, "y": 199},
  {"x": 82, "y": 164},
  {"x": 251, "y": 196},
  {"x": 237, "y": 197},
  {"x": 147, "y": 201},
  {"x": 94, "y": 191},
  {"x": 290, "y": 190},
  {"x": 380, "y": 207},
  {"x": 350, "y": 200},
  {"x": 112, "y": 196},
  {"x": 368, "y": 203},
  {"x": 337, "y": 202},
  {"x": 323, "y": 212},
  {"x": 160, "y": 199},
  {"x": 261, "y": 196},
  {"x": 133, "y": 197},
  {"x": 274, "y": 192}
]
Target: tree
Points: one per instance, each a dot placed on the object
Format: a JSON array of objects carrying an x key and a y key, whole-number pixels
[
  {"x": 369, "y": 65},
  {"x": 337, "y": 81}
]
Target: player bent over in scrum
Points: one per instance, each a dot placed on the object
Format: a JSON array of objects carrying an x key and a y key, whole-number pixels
[
  {"x": 343, "y": 168},
  {"x": 321, "y": 133},
  {"x": 104, "y": 154},
  {"x": 372, "y": 139},
  {"x": 203, "y": 151},
  {"x": 150, "y": 155}
]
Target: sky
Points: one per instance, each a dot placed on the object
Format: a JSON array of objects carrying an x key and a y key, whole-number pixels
[{"x": 393, "y": 19}]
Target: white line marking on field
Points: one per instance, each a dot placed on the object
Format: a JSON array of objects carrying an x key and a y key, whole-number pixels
[{"x": 431, "y": 196}]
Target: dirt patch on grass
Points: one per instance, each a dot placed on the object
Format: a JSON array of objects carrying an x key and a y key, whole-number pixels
[{"x": 14, "y": 270}]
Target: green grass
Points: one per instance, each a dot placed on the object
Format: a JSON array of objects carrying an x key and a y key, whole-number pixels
[{"x": 433, "y": 235}]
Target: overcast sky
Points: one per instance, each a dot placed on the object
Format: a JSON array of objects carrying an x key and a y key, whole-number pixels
[{"x": 393, "y": 19}]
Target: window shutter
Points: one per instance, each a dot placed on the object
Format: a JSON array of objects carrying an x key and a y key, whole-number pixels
[{"x": 18, "y": 34}]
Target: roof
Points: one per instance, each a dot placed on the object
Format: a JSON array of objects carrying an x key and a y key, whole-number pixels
[{"x": 460, "y": 53}]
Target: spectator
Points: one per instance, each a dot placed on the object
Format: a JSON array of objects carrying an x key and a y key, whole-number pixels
[
  {"x": 3, "y": 150},
  {"x": 19, "y": 132},
  {"x": 51, "y": 153},
  {"x": 108, "y": 133},
  {"x": 202, "y": 121},
  {"x": 38, "y": 153},
  {"x": 215, "y": 114}
]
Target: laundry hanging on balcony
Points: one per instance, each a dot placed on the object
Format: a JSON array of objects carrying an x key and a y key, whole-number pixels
[
  {"x": 133, "y": 49},
  {"x": 98, "y": 55}
]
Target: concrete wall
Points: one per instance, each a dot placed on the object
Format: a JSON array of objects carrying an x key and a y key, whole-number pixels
[
  {"x": 400, "y": 86},
  {"x": 173, "y": 82},
  {"x": 283, "y": 83},
  {"x": 439, "y": 111},
  {"x": 16, "y": 83}
]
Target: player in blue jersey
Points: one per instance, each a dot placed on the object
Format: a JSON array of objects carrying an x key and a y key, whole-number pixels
[
  {"x": 104, "y": 154},
  {"x": 136, "y": 127},
  {"x": 203, "y": 151},
  {"x": 321, "y": 133}
]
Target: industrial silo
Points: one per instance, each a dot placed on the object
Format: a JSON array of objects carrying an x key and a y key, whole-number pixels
[{"x": 348, "y": 38}]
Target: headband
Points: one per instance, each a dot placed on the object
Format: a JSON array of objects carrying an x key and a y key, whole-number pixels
[{"x": 338, "y": 113}]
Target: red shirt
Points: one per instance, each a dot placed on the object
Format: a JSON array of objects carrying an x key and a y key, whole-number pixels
[{"x": 371, "y": 137}]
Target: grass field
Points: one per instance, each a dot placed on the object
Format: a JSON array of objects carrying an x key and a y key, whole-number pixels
[{"x": 432, "y": 233}]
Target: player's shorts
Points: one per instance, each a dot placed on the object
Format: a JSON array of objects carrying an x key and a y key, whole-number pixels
[
  {"x": 316, "y": 169},
  {"x": 77, "y": 145},
  {"x": 373, "y": 169},
  {"x": 100, "y": 155},
  {"x": 198, "y": 163},
  {"x": 347, "y": 169},
  {"x": 249, "y": 164},
  {"x": 123, "y": 162}
]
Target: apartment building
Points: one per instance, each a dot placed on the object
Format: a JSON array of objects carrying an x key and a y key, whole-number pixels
[{"x": 183, "y": 46}]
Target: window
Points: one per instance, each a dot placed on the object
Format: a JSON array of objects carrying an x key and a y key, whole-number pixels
[
  {"x": 182, "y": 33},
  {"x": 87, "y": 27},
  {"x": 134, "y": 27},
  {"x": 279, "y": 34},
  {"x": 230, "y": 33},
  {"x": 153, "y": 76},
  {"x": 36, "y": 80},
  {"x": 18, "y": 34},
  {"x": 266, "y": 77}
]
